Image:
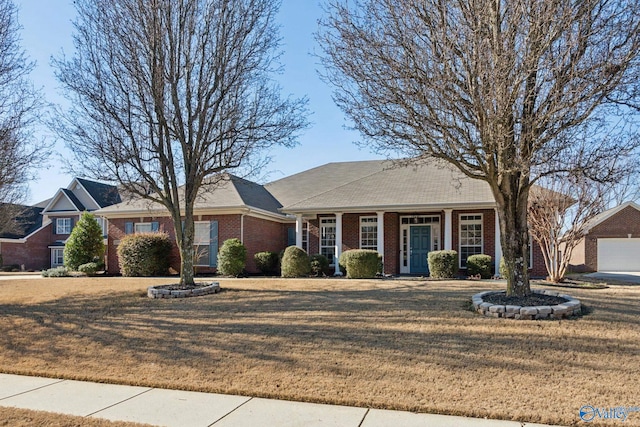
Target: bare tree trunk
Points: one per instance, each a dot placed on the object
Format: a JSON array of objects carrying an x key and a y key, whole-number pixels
[{"x": 514, "y": 234}]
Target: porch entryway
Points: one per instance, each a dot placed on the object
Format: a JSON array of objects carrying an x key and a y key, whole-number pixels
[
  {"x": 419, "y": 235},
  {"x": 420, "y": 242}
]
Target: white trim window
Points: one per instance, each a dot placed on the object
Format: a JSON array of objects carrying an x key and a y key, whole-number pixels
[
  {"x": 305, "y": 236},
  {"x": 369, "y": 232},
  {"x": 470, "y": 242},
  {"x": 202, "y": 240},
  {"x": 328, "y": 238},
  {"x": 63, "y": 225},
  {"x": 57, "y": 257},
  {"x": 143, "y": 227}
]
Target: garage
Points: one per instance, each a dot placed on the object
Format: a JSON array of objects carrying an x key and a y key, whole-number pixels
[{"x": 618, "y": 254}]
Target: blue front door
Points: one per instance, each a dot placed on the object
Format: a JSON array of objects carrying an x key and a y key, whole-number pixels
[{"x": 420, "y": 246}]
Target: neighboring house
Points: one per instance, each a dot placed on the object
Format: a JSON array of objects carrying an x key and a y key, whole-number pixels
[
  {"x": 403, "y": 212},
  {"x": 41, "y": 245},
  {"x": 611, "y": 241}
]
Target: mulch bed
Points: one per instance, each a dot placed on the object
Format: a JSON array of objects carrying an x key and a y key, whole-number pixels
[
  {"x": 527, "y": 301},
  {"x": 179, "y": 287}
]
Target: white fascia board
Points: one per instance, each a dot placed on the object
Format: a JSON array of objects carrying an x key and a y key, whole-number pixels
[
  {"x": 391, "y": 208},
  {"x": 55, "y": 199}
]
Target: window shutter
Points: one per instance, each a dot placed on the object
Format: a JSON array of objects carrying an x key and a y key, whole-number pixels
[
  {"x": 128, "y": 227},
  {"x": 291, "y": 236},
  {"x": 155, "y": 226},
  {"x": 213, "y": 244}
]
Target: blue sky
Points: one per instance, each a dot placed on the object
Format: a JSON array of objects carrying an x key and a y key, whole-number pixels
[{"x": 47, "y": 31}]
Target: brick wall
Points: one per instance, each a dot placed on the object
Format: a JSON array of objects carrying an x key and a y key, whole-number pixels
[
  {"x": 620, "y": 225},
  {"x": 34, "y": 254},
  {"x": 259, "y": 235}
]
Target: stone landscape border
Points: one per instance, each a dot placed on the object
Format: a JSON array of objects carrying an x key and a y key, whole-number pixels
[
  {"x": 159, "y": 292},
  {"x": 572, "y": 307}
]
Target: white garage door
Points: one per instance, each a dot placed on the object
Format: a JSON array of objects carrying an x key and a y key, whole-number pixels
[{"x": 618, "y": 254}]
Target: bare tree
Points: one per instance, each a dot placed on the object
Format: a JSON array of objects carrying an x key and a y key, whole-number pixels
[
  {"x": 168, "y": 94},
  {"x": 19, "y": 107},
  {"x": 561, "y": 209},
  {"x": 508, "y": 91}
]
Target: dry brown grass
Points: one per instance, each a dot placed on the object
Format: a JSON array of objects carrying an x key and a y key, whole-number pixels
[
  {"x": 396, "y": 344},
  {"x": 14, "y": 417}
]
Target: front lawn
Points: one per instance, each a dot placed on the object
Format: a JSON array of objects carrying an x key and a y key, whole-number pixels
[{"x": 396, "y": 344}]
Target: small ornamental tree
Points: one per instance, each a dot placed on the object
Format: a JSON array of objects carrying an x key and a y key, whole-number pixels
[{"x": 85, "y": 244}]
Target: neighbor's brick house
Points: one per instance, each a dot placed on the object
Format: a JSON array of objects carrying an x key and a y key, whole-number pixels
[
  {"x": 611, "y": 241},
  {"x": 44, "y": 228}
]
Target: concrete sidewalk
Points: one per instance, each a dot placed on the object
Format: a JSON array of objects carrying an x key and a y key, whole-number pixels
[{"x": 185, "y": 408}]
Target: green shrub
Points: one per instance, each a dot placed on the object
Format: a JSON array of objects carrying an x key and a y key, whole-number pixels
[
  {"x": 144, "y": 254},
  {"x": 319, "y": 264},
  {"x": 85, "y": 243},
  {"x": 10, "y": 268},
  {"x": 503, "y": 268},
  {"x": 360, "y": 263},
  {"x": 295, "y": 262},
  {"x": 443, "y": 264},
  {"x": 89, "y": 268},
  {"x": 479, "y": 265},
  {"x": 232, "y": 257},
  {"x": 56, "y": 272},
  {"x": 267, "y": 262}
]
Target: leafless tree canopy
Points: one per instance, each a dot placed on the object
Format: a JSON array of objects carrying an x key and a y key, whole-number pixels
[
  {"x": 19, "y": 104},
  {"x": 509, "y": 91},
  {"x": 167, "y": 94}
]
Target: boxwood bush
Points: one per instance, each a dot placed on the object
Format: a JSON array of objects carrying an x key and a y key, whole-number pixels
[
  {"x": 89, "y": 268},
  {"x": 360, "y": 263},
  {"x": 267, "y": 262},
  {"x": 319, "y": 264},
  {"x": 443, "y": 264},
  {"x": 144, "y": 254},
  {"x": 295, "y": 262},
  {"x": 479, "y": 265},
  {"x": 232, "y": 257}
]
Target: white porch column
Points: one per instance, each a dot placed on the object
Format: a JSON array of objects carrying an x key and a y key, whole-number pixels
[
  {"x": 338, "y": 249},
  {"x": 448, "y": 229},
  {"x": 380, "y": 226},
  {"x": 299, "y": 230},
  {"x": 498, "y": 255}
]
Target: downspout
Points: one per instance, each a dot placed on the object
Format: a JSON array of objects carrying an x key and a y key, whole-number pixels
[{"x": 242, "y": 228}]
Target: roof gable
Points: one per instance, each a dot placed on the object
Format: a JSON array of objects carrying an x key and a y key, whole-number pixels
[
  {"x": 608, "y": 214},
  {"x": 102, "y": 194},
  {"x": 63, "y": 201}
]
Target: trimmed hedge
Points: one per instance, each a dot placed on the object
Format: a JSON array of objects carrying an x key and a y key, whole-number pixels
[
  {"x": 232, "y": 257},
  {"x": 144, "y": 254},
  {"x": 295, "y": 262},
  {"x": 319, "y": 264},
  {"x": 360, "y": 263},
  {"x": 443, "y": 264},
  {"x": 267, "y": 262},
  {"x": 479, "y": 265}
]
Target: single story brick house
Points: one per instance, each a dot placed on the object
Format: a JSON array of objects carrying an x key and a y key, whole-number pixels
[
  {"x": 611, "y": 241},
  {"x": 403, "y": 212},
  {"x": 45, "y": 227}
]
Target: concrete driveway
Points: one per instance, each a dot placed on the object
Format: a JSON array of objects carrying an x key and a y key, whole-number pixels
[{"x": 632, "y": 277}]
